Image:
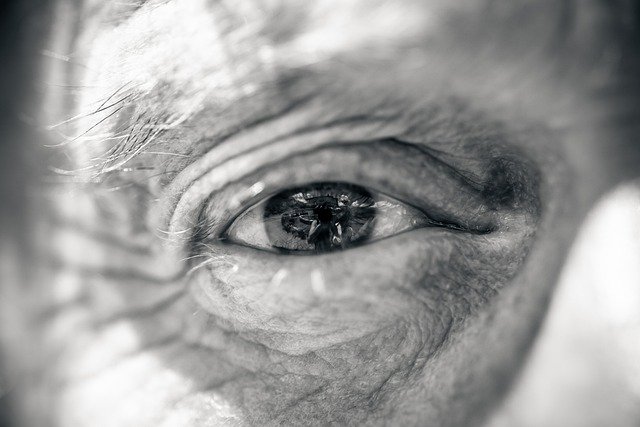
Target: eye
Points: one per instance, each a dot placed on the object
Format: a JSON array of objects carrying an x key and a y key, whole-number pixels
[{"x": 322, "y": 217}]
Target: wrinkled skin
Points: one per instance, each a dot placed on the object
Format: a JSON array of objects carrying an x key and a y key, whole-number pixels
[{"x": 467, "y": 108}]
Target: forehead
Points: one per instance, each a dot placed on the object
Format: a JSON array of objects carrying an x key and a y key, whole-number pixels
[
  {"x": 234, "y": 61},
  {"x": 324, "y": 27},
  {"x": 233, "y": 47}
]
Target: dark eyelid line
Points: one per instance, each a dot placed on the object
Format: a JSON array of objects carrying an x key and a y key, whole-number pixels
[
  {"x": 205, "y": 227},
  {"x": 452, "y": 228},
  {"x": 465, "y": 179},
  {"x": 452, "y": 171},
  {"x": 188, "y": 206},
  {"x": 509, "y": 174}
]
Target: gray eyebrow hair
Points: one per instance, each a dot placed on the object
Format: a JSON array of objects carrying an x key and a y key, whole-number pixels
[
  {"x": 111, "y": 12},
  {"x": 134, "y": 131},
  {"x": 130, "y": 130}
]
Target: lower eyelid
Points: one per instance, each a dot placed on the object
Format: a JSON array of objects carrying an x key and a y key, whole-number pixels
[{"x": 340, "y": 291}]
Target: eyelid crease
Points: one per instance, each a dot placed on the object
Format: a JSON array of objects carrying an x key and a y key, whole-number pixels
[
  {"x": 464, "y": 178},
  {"x": 475, "y": 186},
  {"x": 248, "y": 140},
  {"x": 249, "y": 145},
  {"x": 508, "y": 177},
  {"x": 204, "y": 229},
  {"x": 235, "y": 168},
  {"x": 216, "y": 214}
]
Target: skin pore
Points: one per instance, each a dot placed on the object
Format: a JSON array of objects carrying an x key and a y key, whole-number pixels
[{"x": 490, "y": 116}]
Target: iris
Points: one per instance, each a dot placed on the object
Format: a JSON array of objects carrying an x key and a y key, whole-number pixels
[{"x": 322, "y": 216}]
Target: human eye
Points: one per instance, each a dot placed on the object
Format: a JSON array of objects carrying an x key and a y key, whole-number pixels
[
  {"x": 323, "y": 217},
  {"x": 375, "y": 220},
  {"x": 379, "y": 196}
]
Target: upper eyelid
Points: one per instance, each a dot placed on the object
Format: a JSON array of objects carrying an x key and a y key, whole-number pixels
[
  {"x": 222, "y": 171},
  {"x": 187, "y": 208},
  {"x": 250, "y": 199},
  {"x": 468, "y": 178},
  {"x": 217, "y": 213},
  {"x": 251, "y": 139}
]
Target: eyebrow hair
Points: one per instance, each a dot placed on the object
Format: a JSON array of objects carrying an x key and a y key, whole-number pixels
[{"x": 134, "y": 130}]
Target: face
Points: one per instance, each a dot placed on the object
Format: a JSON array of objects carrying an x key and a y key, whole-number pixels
[{"x": 302, "y": 212}]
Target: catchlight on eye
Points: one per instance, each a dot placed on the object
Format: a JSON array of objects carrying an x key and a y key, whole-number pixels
[{"x": 322, "y": 217}]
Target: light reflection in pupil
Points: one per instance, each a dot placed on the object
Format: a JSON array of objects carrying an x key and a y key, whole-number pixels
[{"x": 322, "y": 217}]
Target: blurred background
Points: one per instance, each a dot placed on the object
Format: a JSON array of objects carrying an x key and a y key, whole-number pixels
[{"x": 24, "y": 25}]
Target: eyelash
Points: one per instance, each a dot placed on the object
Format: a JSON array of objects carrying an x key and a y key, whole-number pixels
[
  {"x": 343, "y": 202},
  {"x": 212, "y": 224}
]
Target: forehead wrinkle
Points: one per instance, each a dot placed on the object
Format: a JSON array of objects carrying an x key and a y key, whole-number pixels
[
  {"x": 183, "y": 40},
  {"x": 182, "y": 55},
  {"x": 185, "y": 54},
  {"x": 221, "y": 42}
]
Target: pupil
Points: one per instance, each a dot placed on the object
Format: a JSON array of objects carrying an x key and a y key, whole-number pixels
[{"x": 323, "y": 213}]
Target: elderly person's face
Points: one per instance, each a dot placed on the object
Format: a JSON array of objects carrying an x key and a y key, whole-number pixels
[{"x": 317, "y": 212}]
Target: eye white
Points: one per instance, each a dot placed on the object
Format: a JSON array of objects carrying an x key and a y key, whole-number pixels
[{"x": 250, "y": 228}]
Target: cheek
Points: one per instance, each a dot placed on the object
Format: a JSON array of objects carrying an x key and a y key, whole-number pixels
[{"x": 428, "y": 278}]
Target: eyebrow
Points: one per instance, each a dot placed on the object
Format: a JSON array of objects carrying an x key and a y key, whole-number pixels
[
  {"x": 145, "y": 78},
  {"x": 148, "y": 52}
]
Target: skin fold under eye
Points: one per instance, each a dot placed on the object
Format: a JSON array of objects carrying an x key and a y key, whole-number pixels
[
  {"x": 438, "y": 244},
  {"x": 323, "y": 217}
]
